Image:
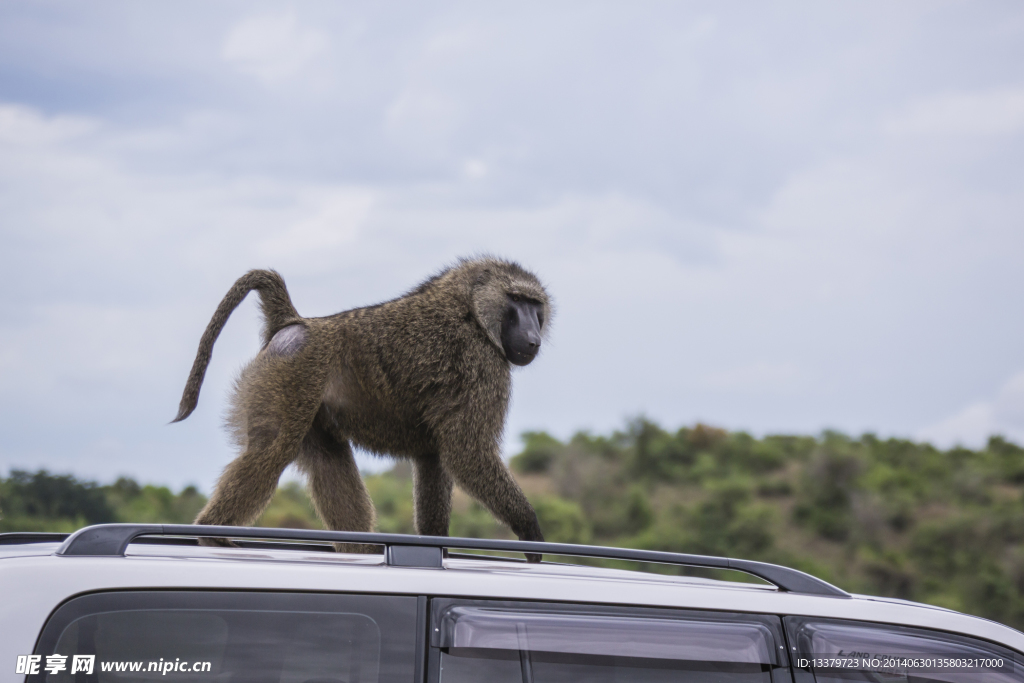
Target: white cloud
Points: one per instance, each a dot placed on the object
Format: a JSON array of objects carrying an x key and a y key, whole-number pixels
[
  {"x": 1001, "y": 415},
  {"x": 422, "y": 120},
  {"x": 1008, "y": 406},
  {"x": 474, "y": 169},
  {"x": 760, "y": 378},
  {"x": 992, "y": 112},
  {"x": 272, "y": 46},
  {"x": 332, "y": 217},
  {"x": 22, "y": 126}
]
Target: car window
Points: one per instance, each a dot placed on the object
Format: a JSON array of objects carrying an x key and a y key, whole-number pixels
[
  {"x": 237, "y": 637},
  {"x": 507, "y": 643},
  {"x": 833, "y": 651}
]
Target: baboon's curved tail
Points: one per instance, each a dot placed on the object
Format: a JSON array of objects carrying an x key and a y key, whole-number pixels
[{"x": 277, "y": 312}]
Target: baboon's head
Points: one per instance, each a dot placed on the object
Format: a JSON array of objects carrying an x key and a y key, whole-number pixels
[{"x": 511, "y": 305}]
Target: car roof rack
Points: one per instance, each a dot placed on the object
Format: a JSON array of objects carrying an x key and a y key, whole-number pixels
[
  {"x": 23, "y": 537},
  {"x": 404, "y": 550}
]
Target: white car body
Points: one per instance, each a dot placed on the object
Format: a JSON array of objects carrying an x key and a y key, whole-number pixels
[{"x": 35, "y": 580}]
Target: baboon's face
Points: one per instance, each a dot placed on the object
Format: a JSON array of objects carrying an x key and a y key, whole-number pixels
[{"x": 521, "y": 325}]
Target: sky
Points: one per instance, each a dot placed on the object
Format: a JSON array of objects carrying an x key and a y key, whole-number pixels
[{"x": 775, "y": 217}]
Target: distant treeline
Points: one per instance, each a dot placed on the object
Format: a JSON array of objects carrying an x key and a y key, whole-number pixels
[
  {"x": 886, "y": 517},
  {"x": 42, "y": 501}
]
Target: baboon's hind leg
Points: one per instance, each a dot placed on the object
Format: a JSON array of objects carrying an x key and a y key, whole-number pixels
[
  {"x": 248, "y": 483},
  {"x": 335, "y": 486},
  {"x": 276, "y": 404}
]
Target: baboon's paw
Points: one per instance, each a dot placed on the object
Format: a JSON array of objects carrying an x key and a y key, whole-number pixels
[
  {"x": 216, "y": 542},
  {"x": 359, "y": 548}
]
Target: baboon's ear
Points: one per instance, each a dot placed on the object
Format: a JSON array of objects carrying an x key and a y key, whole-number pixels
[{"x": 489, "y": 305}]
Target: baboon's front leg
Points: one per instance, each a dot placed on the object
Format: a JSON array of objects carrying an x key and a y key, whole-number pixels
[
  {"x": 336, "y": 489},
  {"x": 432, "y": 493},
  {"x": 476, "y": 466}
]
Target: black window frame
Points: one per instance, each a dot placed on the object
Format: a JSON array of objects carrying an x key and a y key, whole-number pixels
[{"x": 245, "y": 600}]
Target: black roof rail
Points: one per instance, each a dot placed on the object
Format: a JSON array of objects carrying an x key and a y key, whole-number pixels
[
  {"x": 22, "y": 537},
  {"x": 404, "y": 550}
]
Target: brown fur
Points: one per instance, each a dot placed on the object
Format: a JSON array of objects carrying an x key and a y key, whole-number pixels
[{"x": 422, "y": 377}]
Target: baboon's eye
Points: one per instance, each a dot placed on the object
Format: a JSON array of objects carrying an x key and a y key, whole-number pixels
[{"x": 515, "y": 297}]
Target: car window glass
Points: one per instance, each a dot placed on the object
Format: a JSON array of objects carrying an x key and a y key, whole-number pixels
[
  {"x": 841, "y": 651},
  {"x": 249, "y": 638},
  {"x": 526, "y": 646},
  {"x": 297, "y": 646}
]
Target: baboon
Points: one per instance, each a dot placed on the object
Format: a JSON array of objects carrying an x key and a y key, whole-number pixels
[{"x": 425, "y": 376}]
